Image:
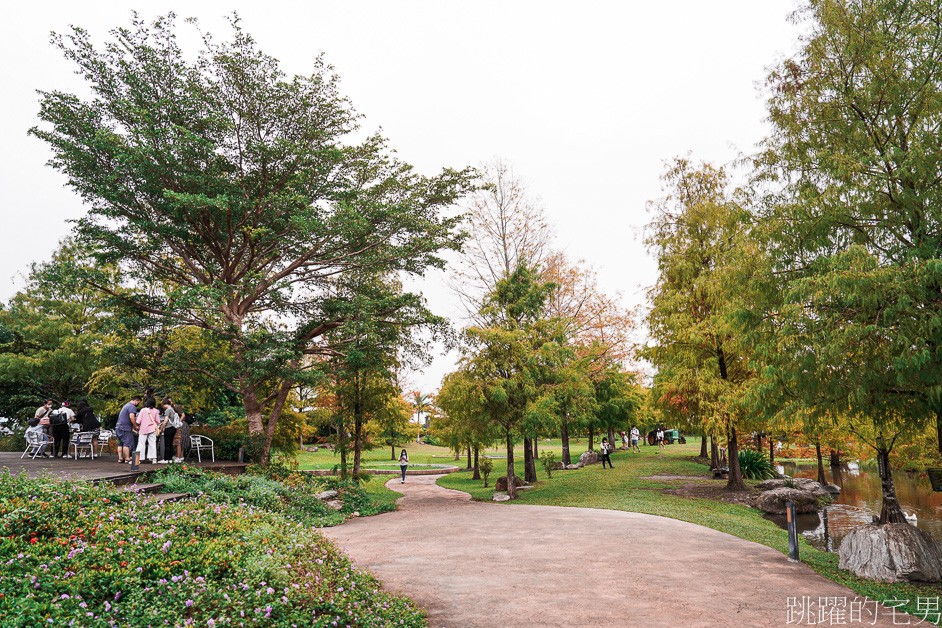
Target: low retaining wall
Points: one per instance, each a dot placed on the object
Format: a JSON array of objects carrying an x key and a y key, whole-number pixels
[{"x": 412, "y": 471}]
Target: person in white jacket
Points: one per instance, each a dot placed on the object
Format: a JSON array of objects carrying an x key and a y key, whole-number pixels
[
  {"x": 606, "y": 453},
  {"x": 403, "y": 464}
]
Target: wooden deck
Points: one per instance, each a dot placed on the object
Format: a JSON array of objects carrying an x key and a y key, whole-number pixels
[{"x": 103, "y": 469}]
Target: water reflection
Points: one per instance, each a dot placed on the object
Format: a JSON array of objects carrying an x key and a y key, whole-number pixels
[{"x": 860, "y": 499}]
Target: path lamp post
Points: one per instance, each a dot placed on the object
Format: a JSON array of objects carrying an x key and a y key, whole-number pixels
[{"x": 792, "y": 532}]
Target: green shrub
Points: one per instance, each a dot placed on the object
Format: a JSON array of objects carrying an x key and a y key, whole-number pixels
[
  {"x": 274, "y": 487},
  {"x": 548, "y": 459},
  {"x": 485, "y": 466},
  {"x": 76, "y": 554},
  {"x": 754, "y": 465}
]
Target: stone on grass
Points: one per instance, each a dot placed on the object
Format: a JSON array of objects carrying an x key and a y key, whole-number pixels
[
  {"x": 895, "y": 552},
  {"x": 336, "y": 504},
  {"x": 572, "y": 467},
  {"x": 589, "y": 457},
  {"x": 501, "y": 497},
  {"x": 773, "y": 501},
  {"x": 501, "y": 484},
  {"x": 327, "y": 495}
]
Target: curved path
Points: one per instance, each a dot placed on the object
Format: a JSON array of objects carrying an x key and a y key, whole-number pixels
[{"x": 476, "y": 564}]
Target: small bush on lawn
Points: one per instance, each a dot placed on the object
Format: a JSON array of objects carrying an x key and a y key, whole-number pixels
[
  {"x": 74, "y": 554},
  {"x": 292, "y": 496}
]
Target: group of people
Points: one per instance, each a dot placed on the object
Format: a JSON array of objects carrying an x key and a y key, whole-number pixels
[
  {"x": 55, "y": 425},
  {"x": 157, "y": 432}
]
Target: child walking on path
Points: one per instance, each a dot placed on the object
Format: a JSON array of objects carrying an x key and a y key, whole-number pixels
[
  {"x": 148, "y": 420},
  {"x": 606, "y": 453},
  {"x": 403, "y": 464}
]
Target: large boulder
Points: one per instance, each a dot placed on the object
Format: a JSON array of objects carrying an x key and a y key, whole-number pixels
[
  {"x": 773, "y": 501},
  {"x": 501, "y": 484},
  {"x": 589, "y": 457},
  {"x": 803, "y": 484},
  {"x": 894, "y": 552}
]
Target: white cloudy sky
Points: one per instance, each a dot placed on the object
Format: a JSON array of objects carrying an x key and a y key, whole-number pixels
[{"x": 587, "y": 100}]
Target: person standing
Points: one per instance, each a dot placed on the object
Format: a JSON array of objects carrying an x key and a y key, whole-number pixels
[
  {"x": 606, "y": 453},
  {"x": 125, "y": 429},
  {"x": 403, "y": 464},
  {"x": 624, "y": 439},
  {"x": 659, "y": 437},
  {"x": 635, "y": 437},
  {"x": 168, "y": 429},
  {"x": 148, "y": 421},
  {"x": 42, "y": 414},
  {"x": 59, "y": 426},
  {"x": 181, "y": 439}
]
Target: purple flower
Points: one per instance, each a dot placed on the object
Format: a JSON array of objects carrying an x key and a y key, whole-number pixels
[{"x": 189, "y": 603}]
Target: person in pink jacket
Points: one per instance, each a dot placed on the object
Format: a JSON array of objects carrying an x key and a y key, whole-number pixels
[{"x": 148, "y": 419}]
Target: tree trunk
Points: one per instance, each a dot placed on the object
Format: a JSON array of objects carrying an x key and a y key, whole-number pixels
[
  {"x": 611, "y": 437},
  {"x": 457, "y": 454},
  {"x": 357, "y": 427},
  {"x": 529, "y": 464},
  {"x": 703, "y": 446},
  {"x": 938, "y": 429},
  {"x": 835, "y": 458},
  {"x": 393, "y": 454},
  {"x": 735, "y": 482},
  {"x": 477, "y": 471},
  {"x": 511, "y": 485},
  {"x": 822, "y": 479},
  {"x": 564, "y": 436},
  {"x": 714, "y": 454},
  {"x": 469, "y": 458},
  {"x": 591, "y": 438},
  {"x": 758, "y": 441},
  {"x": 891, "y": 511},
  {"x": 536, "y": 449}
]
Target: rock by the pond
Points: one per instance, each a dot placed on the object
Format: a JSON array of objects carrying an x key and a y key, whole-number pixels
[
  {"x": 589, "y": 457},
  {"x": 327, "y": 495},
  {"x": 803, "y": 484},
  {"x": 501, "y": 484},
  {"x": 773, "y": 501},
  {"x": 336, "y": 504},
  {"x": 833, "y": 489},
  {"x": 895, "y": 552},
  {"x": 501, "y": 497}
]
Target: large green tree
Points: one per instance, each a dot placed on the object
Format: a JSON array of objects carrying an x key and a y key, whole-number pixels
[
  {"x": 854, "y": 217},
  {"x": 697, "y": 346},
  {"x": 243, "y": 198},
  {"x": 506, "y": 360}
]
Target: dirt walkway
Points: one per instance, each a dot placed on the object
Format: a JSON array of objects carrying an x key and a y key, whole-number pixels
[{"x": 473, "y": 564}]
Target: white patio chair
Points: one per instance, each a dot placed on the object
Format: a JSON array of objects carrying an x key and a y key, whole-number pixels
[
  {"x": 34, "y": 444},
  {"x": 199, "y": 444},
  {"x": 104, "y": 440},
  {"x": 83, "y": 440}
]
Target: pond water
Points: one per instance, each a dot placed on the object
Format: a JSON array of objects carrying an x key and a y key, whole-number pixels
[{"x": 860, "y": 499}]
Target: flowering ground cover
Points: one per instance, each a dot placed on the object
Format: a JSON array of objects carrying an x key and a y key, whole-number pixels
[{"x": 74, "y": 554}]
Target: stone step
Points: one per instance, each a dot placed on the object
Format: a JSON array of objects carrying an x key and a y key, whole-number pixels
[
  {"x": 142, "y": 487},
  {"x": 166, "y": 497}
]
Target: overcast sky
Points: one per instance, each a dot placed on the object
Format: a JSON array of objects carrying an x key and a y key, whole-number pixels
[{"x": 587, "y": 100}]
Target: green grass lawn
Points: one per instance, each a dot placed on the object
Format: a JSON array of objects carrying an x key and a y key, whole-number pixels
[
  {"x": 427, "y": 454},
  {"x": 622, "y": 488}
]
